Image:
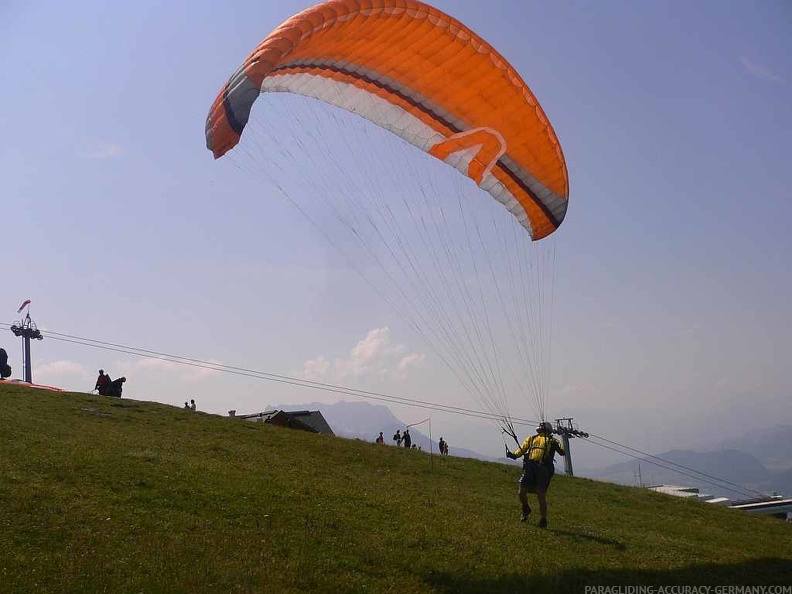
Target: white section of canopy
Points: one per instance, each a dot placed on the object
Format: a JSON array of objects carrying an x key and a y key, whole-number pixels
[
  {"x": 459, "y": 270},
  {"x": 400, "y": 122}
]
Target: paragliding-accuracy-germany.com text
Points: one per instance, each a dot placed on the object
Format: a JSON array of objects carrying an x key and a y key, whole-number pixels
[{"x": 688, "y": 590}]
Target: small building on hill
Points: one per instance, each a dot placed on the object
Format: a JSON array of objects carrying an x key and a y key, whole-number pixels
[{"x": 305, "y": 420}]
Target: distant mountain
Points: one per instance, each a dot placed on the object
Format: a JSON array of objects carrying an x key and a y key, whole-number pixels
[
  {"x": 737, "y": 472},
  {"x": 780, "y": 483},
  {"x": 772, "y": 447},
  {"x": 363, "y": 420}
]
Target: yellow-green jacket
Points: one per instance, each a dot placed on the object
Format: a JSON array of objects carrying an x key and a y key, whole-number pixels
[{"x": 540, "y": 448}]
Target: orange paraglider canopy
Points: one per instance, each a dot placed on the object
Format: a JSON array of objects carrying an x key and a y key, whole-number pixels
[{"x": 424, "y": 76}]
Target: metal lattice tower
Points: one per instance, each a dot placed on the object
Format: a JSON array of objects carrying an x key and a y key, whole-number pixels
[
  {"x": 567, "y": 431},
  {"x": 27, "y": 330}
]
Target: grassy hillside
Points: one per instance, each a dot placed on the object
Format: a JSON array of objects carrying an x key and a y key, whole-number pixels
[{"x": 107, "y": 495}]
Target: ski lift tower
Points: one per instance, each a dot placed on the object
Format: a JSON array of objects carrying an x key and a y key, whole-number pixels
[
  {"x": 27, "y": 329},
  {"x": 567, "y": 431}
]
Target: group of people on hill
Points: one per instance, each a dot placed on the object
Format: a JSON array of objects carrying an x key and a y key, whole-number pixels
[
  {"x": 190, "y": 406},
  {"x": 405, "y": 439},
  {"x": 402, "y": 438},
  {"x": 109, "y": 387}
]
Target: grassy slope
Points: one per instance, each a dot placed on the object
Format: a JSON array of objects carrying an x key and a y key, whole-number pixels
[{"x": 99, "y": 494}]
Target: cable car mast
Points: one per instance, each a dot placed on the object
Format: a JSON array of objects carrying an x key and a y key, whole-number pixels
[
  {"x": 567, "y": 431},
  {"x": 26, "y": 329}
]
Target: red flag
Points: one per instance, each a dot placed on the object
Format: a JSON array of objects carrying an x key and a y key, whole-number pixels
[{"x": 24, "y": 304}]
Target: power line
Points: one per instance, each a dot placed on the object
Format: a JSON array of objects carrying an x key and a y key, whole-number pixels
[{"x": 126, "y": 349}]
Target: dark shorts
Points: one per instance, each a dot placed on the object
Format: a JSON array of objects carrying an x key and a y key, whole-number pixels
[{"x": 536, "y": 475}]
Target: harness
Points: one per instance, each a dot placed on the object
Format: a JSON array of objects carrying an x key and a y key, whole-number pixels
[{"x": 546, "y": 448}]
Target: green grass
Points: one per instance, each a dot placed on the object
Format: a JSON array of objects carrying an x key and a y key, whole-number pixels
[{"x": 106, "y": 495}]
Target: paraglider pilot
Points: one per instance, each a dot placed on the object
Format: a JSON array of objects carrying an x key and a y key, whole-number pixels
[
  {"x": 102, "y": 383},
  {"x": 538, "y": 468}
]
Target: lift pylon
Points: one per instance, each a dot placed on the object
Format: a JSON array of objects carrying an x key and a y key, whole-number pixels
[
  {"x": 567, "y": 431},
  {"x": 26, "y": 328}
]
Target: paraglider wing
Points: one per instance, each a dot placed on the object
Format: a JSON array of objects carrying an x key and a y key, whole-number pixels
[{"x": 424, "y": 76}]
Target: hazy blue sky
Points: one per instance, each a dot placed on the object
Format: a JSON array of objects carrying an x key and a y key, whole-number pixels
[{"x": 672, "y": 311}]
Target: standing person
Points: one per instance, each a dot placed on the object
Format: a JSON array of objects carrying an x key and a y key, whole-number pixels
[
  {"x": 380, "y": 439},
  {"x": 407, "y": 439},
  {"x": 5, "y": 368},
  {"x": 102, "y": 383},
  {"x": 538, "y": 468},
  {"x": 192, "y": 405},
  {"x": 441, "y": 445},
  {"x": 397, "y": 437}
]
